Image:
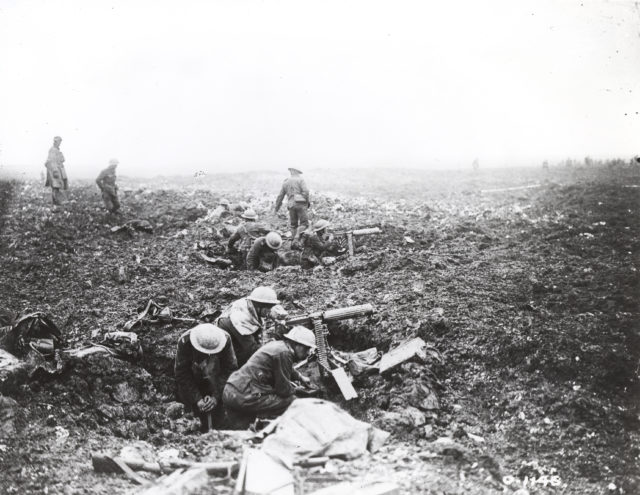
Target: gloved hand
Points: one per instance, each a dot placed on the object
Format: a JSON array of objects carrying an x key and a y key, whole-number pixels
[{"x": 207, "y": 404}]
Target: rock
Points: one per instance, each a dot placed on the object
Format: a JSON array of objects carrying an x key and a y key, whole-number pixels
[
  {"x": 428, "y": 431},
  {"x": 415, "y": 416},
  {"x": 447, "y": 446},
  {"x": 174, "y": 410},
  {"x": 125, "y": 393},
  {"x": 139, "y": 450}
]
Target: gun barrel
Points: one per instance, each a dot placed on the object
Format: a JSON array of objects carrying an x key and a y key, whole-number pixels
[
  {"x": 372, "y": 230},
  {"x": 334, "y": 314}
]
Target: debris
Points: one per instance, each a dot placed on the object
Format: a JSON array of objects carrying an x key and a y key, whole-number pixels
[
  {"x": 174, "y": 410},
  {"x": 363, "y": 488},
  {"x": 517, "y": 188},
  {"x": 261, "y": 474},
  {"x": 475, "y": 438},
  {"x": 413, "y": 348},
  {"x": 447, "y": 446},
  {"x": 408, "y": 240},
  {"x": 107, "y": 464},
  {"x": 132, "y": 225},
  {"x": 8, "y": 410},
  {"x": 220, "y": 262},
  {"x": 343, "y": 382},
  {"x": 315, "y": 427},
  {"x": 35, "y": 327}
]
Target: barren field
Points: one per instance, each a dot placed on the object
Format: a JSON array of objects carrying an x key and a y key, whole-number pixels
[{"x": 530, "y": 295}]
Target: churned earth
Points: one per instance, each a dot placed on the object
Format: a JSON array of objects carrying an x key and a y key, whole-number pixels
[{"x": 530, "y": 295}]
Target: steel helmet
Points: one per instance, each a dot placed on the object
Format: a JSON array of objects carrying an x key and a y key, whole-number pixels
[
  {"x": 320, "y": 225},
  {"x": 208, "y": 338},
  {"x": 301, "y": 335},
  {"x": 295, "y": 170},
  {"x": 274, "y": 241},
  {"x": 264, "y": 295},
  {"x": 249, "y": 214},
  {"x": 113, "y": 162},
  {"x": 224, "y": 202}
]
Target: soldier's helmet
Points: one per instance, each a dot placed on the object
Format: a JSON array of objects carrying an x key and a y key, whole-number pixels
[
  {"x": 301, "y": 335},
  {"x": 320, "y": 225},
  {"x": 265, "y": 295},
  {"x": 114, "y": 162},
  {"x": 295, "y": 170},
  {"x": 249, "y": 214},
  {"x": 224, "y": 202},
  {"x": 274, "y": 241},
  {"x": 208, "y": 338}
]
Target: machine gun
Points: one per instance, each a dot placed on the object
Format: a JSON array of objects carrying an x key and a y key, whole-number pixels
[
  {"x": 318, "y": 321},
  {"x": 350, "y": 234}
]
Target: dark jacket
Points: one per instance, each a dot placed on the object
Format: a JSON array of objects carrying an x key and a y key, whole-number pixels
[
  {"x": 199, "y": 374},
  {"x": 296, "y": 191},
  {"x": 260, "y": 255},
  {"x": 107, "y": 180},
  {"x": 269, "y": 371},
  {"x": 247, "y": 233}
]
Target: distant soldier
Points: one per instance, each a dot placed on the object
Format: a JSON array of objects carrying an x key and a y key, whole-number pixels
[
  {"x": 56, "y": 174},
  {"x": 204, "y": 360},
  {"x": 316, "y": 243},
  {"x": 107, "y": 183},
  {"x": 244, "y": 320},
  {"x": 245, "y": 235},
  {"x": 263, "y": 254},
  {"x": 297, "y": 202},
  {"x": 264, "y": 385},
  {"x": 475, "y": 165},
  {"x": 545, "y": 165}
]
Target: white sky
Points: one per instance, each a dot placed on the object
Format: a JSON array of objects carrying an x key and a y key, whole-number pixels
[{"x": 180, "y": 86}]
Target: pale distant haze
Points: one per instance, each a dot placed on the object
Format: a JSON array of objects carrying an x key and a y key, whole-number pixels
[{"x": 182, "y": 86}]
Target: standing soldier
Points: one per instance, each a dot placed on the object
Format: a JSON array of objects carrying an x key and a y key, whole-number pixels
[
  {"x": 56, "y": 174},
  {"x": 204, "y": 360},
  {"x": 246, "y": 234},
  {"x": 263, "y": 254},
  {"x": 244, "y": 321},
  {"x": 297, "y": 201},
  {"x": 107, "y": 183}
]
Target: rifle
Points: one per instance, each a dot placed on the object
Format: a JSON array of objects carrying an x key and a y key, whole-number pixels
[
  {"x": 319, "y": 322},
  {"x": 351, "y": 233}
]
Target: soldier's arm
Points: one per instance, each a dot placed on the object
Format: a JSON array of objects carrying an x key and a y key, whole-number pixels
[
  {"x": 280, "y": 197},
  {"x": 235, "y": 237},
  {"x": 100, "y": 178},
  {"x": 184, "y": 376},
  {"x": 228, "y": 358}
]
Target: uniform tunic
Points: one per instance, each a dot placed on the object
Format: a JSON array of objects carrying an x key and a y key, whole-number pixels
[
  {"x": 198, "y": 374},
  {"x": 107, "y": 183},
  {"x": 244, "y": 237},
  {"x": 261, "y": 256},
  {"x": 56, "y": 175},
  {"x": 263, "y": 385},
  {"x": 297, "y": 201}
]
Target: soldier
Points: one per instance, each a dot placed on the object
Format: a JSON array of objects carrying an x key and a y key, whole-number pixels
[
  {"x": 204, "y": 360},
  {"x": 264, "y": 386},
  {"x": 244, "y": 321},
  {"x": 297, "y": 201},
  {"x": 263, "y": 254},
  {"x": 107, "y": 183},
  {"x": 246, "y": 234},
  {"x": 316, "y": 243},
  {"x": 56, "y": 174}
]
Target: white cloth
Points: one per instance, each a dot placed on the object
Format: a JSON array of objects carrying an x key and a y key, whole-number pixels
[{"x": 243, "y": 316}]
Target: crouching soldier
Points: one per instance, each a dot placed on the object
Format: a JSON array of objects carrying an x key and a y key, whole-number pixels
[
  {"x": 107, "y": 183},
  {"x": 263, "y": 254},
  {"x": 264, "y": 386},
  {"x": 204, "y": 360},
  {"x": 244, "y": 321},
  {"x": 245, "y": 235},
  {"x": 316, "y": 243}
]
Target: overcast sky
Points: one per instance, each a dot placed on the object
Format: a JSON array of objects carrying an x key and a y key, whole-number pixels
[{"x": 180, "y": 86}]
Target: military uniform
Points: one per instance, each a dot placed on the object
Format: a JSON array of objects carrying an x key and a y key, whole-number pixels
[
  {"x": 243, "y": 324},
  {"x": 261, "y": 256},
  {"x": 297, "y": 201},
  {"x": 56, "y": 175},
  {"x": 107, "y": 183},
  {"x": 198, "y": 374},
  {"x": 244, "y": 236},
  {"x": 263, "y": 385},
  {"x": 314, "y": 247}
]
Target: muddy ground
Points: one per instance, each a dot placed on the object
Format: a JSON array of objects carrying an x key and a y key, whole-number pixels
[{"x": 530, "y": 295}]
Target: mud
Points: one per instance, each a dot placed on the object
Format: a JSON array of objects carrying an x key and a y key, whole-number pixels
[{"x": 530, "y": 295}]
